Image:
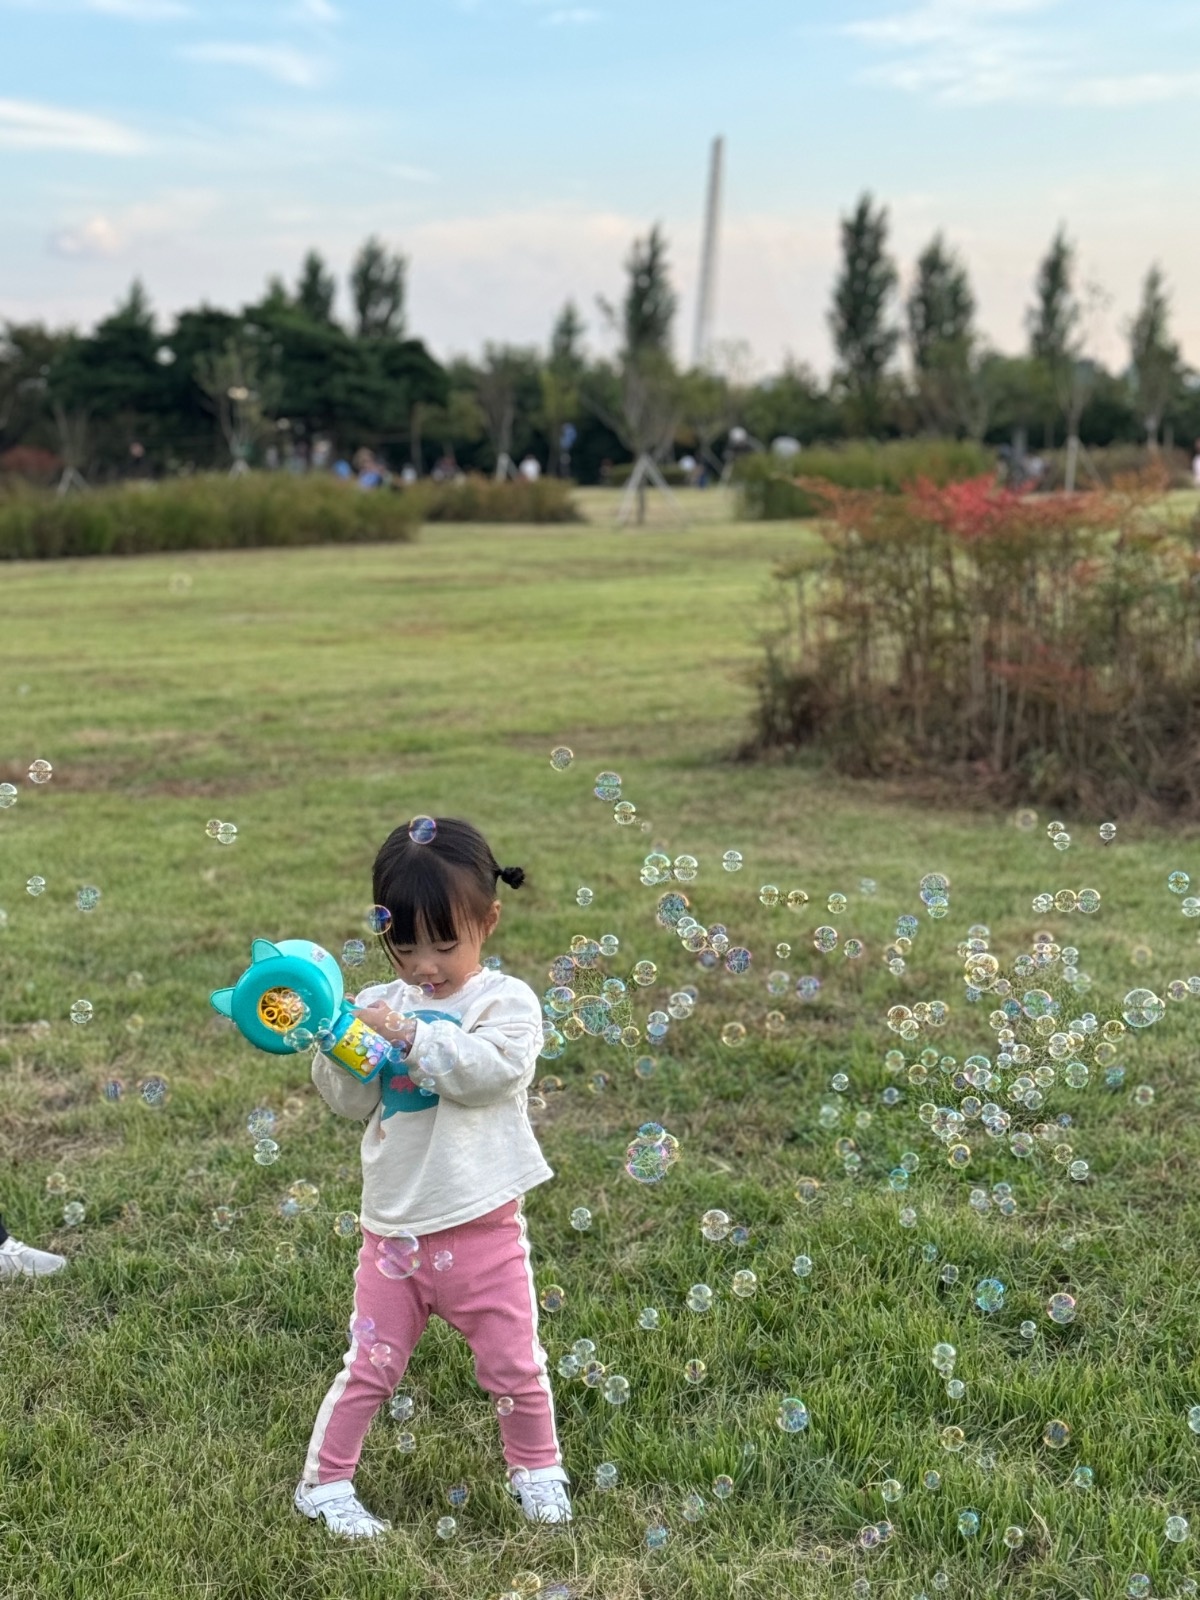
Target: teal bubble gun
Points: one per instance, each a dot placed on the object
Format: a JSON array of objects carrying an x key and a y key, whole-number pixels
[{"x": 290, "y": 996}]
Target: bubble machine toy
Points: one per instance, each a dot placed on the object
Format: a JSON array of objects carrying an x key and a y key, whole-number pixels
[{"x": 291, "y": 996}]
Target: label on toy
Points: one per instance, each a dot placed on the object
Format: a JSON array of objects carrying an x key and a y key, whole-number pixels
[{"x": 353, "y": 1050}]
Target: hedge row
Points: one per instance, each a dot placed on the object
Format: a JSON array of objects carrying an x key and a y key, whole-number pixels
[{"x": 769, "y": 491}]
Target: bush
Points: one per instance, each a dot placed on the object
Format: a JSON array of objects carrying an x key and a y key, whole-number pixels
[
  {"x": 772, "y": 490},
  {"x": 200, "y": 513},
  {"x": 1042, "y": 648},
  {"x": 1116, "y": 462},
  {"x": 478, "y": 499}
]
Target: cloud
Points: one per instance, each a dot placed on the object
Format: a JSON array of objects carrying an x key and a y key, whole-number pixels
[
  {"x": 963, "y": 52},
  {"x": 279, "y": 61},
  {"x": 95, "y": 238},
  {"x": 1137, "y": 89},
  {"x": 165, "y": 219},
  {"x": 27, "y": 125},
  {"x": 140, "y": 10}
]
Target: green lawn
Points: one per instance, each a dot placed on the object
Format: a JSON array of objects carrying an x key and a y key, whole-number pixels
[{"x": 156, "y": 1398}]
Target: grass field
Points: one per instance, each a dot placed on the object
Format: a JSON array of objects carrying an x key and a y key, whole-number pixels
[{"x": 156, "y": 1398}]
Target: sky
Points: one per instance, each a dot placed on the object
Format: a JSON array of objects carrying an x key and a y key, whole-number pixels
[{"x": 513, "y": 149}]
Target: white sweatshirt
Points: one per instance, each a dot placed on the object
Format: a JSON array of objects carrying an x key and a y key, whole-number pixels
[{"x": 435, "y": 1161}]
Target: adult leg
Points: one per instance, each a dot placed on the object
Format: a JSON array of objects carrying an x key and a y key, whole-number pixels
[{"x": 387, "y": 1311}]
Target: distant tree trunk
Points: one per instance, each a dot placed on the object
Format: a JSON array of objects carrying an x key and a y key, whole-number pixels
[{"x": 414, "y": 437}]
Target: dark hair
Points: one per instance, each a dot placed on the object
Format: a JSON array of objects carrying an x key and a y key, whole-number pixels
[{"x": 430, "y": 887}]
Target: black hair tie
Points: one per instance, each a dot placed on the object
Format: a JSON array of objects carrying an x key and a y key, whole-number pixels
[{"x": 514, "y": 877}]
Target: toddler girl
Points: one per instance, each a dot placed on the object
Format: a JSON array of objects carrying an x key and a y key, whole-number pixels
[{"x": 450, "y": 1167}]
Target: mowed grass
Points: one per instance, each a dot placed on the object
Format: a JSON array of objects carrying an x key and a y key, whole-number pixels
[{"x": 156, "y": 1398}]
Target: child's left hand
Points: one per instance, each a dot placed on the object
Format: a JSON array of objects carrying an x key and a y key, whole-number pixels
[{"x": 381, "y": 1017}]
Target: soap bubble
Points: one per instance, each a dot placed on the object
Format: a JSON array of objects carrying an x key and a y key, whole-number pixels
[
  {"x": 8, "y": 795},
  {"x": 1061, "y": 1309},
  {"x": 422, "y": 830},
  {"x": 932, "y": 1480},
  {"x": 836, "y": 904},
  {"x": 715, "y": 1225},
  {"x": 699, "y": 1298},
  {"x": 968, "y": 1523},
  {"x": 505, "y": 1406},
  {"x": 584, "y": 896},
  {"x": 378, "y": 920},
  {"x": 154, "y": 1092},
  {"x": 266, "y": 1152},
  {"x": 738, "y": 960},
  {"x": 732, "y": 861},
  {"x": 802, "y": 1266},
  {"x": 745, "y": 1284},
  {"x": 81, "y": 1012},
  {"x": 607, "y": 1475},
  {"x": 1176, "y": 1529},
  {"x": 561, "y": 757},
  {"x": 552, "y": 1298},
  {"x": 624, "y": 813},
  {"x": 226, "y": 833},
  {"x": 648, "y": 1319},
  {"x": 953, "y": 1439},
  {"x": 446, "y": 1527},
  {"x": 398, "y": 1257},
  {"x": 656, "y": 1536},
  {"x": 733, "y": 1034},
  {"x": 40, "y": 771},
  {"x": 825, "y": 940},
  {"x": 381, "y": 1355},
  {"x": 223, "y": 1218},
  {"x": 694, "y": 1372},
  {"x": 88, "y": 898},
  {"x": 1142, "y": 1008},
  {"x": 792, "y": 1416},
  {"x": 607, "y": 786},
  {"x": 1082, "y": 1477},
  {"x": 345, "y": 1225},
  {"x": 797, "y": 899},
  {"x": 443, "y": 1260},
  {"x": 891, "y": 1489},
  {"x": 1193, "y": 1418},
  {"x": 1014, "y": 1537},
  {"x": 989, "y": 1294},
  {"x": 644, "y": 974},
  {"x": 35, "y": 886},
  {"x": 354, "y": 953},
  {"x": 1056, "y": 1434},
  {"x": 722, "y": 1486},
  {"x": 73, "y": 1213},
  {"x": 581, "y": 1219},
  {"x": 1178, "y": 882},
  {"x": 113, "y": 1089}
]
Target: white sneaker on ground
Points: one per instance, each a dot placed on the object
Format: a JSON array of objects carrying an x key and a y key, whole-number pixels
[
  {"x": 22, "y": 1260},
  {"x": 339, "y": 1508},
  {"x": 542, "y": 1492}
]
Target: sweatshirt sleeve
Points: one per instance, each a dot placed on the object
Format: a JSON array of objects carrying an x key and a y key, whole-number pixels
[
  {"x": 342, "y": 1092},
  {"x": 492, "y": 1060}
]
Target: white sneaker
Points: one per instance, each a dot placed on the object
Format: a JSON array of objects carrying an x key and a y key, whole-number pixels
[
  {"x": 17, "y": 1259},
  {"x": 542, "y": 1493},
  {"x": 339, "y": 1508}
]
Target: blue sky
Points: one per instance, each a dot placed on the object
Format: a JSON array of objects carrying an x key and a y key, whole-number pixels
[{"x": 513, "y": 148}]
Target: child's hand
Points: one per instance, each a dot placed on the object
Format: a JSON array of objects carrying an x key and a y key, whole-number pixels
[{"x": 381, "y": 1017}]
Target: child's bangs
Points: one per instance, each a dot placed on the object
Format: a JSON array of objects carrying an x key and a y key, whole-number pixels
[{"x": 429, "y": 901}]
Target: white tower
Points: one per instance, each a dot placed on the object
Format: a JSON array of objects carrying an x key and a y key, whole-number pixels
[{"x": 708, "y": 259}]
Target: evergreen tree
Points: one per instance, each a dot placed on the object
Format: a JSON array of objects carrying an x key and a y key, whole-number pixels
[
  {"x": 377, "y": 286},
  {"x": 316, "y": 290},
  {"x": 1154, "y": 355},
  {"x": 864, "y": 335},
  {"x": 941, "y": 307},
  {"x": 560, "y": 381},
  {"x": 1053, "y": 319},
  {"x": 941, "y": 333},
  {"x": 650, "y": 302}
]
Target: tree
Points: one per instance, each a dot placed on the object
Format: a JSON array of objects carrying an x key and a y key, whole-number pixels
[
  {"x": 240, "y": 395},
  {"x": 1153, "y": 355},
  {"x": 560, "y": 380},
  {"x": 377, "y": 287},
  {"x": 112, "y": 380},
  {"x": 28, "y": 352},
  {"x": 316, "y": 290},
  {"x": 1057, "y": 323},
  {"x": 506, "y": 387},
  {"x": 941, "y": 333},
  {"x": 648, "y": 310},
  {"x": 864, "y": 336}
]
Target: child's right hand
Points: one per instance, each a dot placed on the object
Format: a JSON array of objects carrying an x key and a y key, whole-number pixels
[{"x": 395, "y": 1028}]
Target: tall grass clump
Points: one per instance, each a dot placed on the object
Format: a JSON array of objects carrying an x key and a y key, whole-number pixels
[
  {"x": 206, "y": 512},
  {"x": 1040, "y": 648},
  {"x": 478, "y": 499},
  {"x": 771, "y": 491}
]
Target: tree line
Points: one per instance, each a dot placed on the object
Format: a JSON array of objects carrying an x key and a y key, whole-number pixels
[{"x": 265, "y": 384}]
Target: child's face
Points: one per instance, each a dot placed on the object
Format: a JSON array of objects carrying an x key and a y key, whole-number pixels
[{"x": 442, "y": 966}]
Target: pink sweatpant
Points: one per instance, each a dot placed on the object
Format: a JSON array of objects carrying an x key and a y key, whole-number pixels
[{"x": 488, "y": 1295}]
